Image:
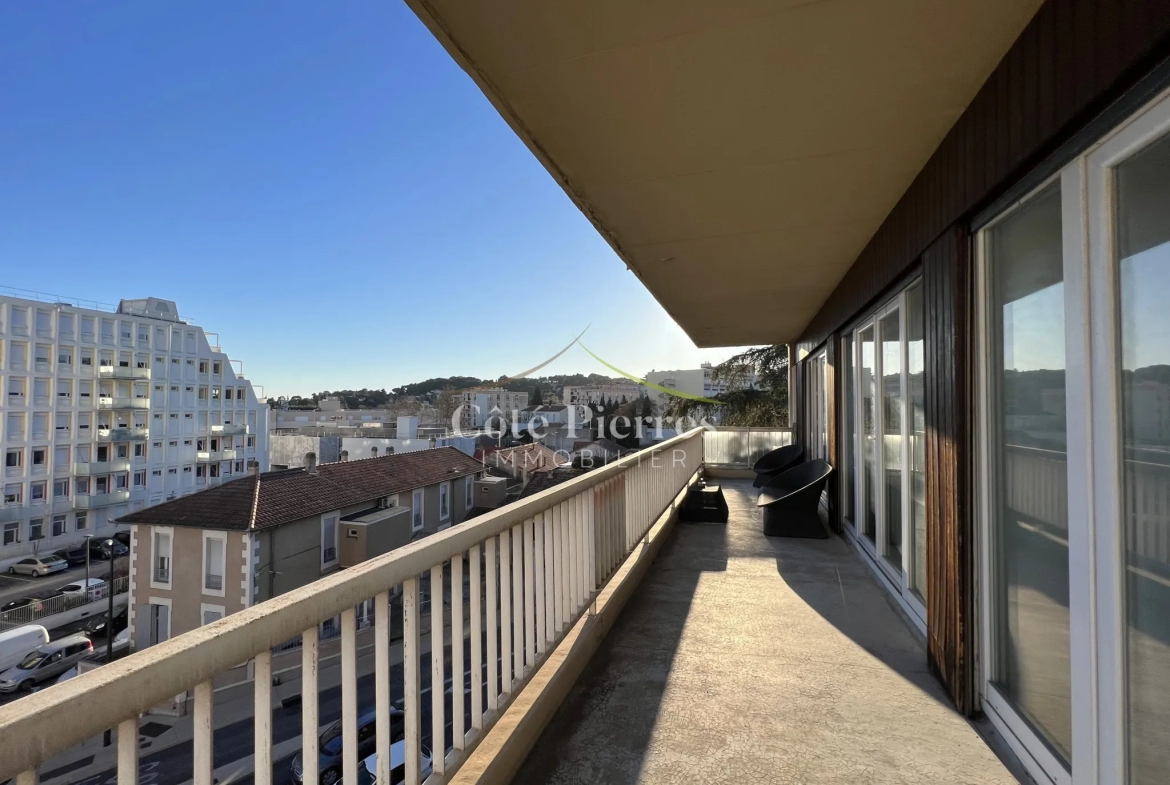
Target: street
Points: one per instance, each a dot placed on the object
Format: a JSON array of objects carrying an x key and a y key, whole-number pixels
[{"x": 14, "y": 587}]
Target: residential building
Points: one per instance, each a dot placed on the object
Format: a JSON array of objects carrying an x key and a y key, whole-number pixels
[
  {"x": 330, "y": 414},
  {"x": 524, "y": 462},
  {"x": 107, "y": 412},
  {"x": 695, "y": 381},
  {"x": 953, "y": 213},
  {"x": 204, "y": 556},
  {"x": 593, "y": 395},
  {"x": 478, "y": 407}
]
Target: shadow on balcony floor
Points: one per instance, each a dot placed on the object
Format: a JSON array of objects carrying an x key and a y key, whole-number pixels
[{"x": 750, "y": 659}]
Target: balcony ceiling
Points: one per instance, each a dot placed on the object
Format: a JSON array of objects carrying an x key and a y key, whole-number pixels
[{"x": 738, "y": 154}]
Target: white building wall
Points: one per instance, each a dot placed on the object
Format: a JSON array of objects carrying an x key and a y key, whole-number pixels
[{"x": 159, "y": 387}]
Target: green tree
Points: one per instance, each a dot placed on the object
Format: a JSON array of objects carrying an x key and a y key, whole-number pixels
[
  {"x": 536, "y": 398},
  {"x": 765, "y": 405}
]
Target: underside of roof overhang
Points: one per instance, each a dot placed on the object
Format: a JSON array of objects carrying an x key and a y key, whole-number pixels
[{"x": 737, "y": 155}]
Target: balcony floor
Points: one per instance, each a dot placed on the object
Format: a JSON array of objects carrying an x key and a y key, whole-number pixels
[{"x": 749, "y": 659}]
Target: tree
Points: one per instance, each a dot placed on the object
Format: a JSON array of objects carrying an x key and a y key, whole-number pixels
[
  {"x": 765, "y": 405},
  {"x": 536, "y": 399},
  {"x": 446, "y": 402}
]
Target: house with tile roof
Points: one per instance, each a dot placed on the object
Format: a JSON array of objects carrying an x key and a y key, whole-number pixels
[{"x": 201, "y": 557}]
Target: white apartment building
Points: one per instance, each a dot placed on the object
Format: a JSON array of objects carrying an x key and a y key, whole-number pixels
[
  {"x": 696, "y": 381},
  {"x": 588, "y": 396},
  {"x": 478, "y": 406},
  {"x": 105, "y": 413}
]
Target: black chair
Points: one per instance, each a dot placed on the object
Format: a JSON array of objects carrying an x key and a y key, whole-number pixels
[
  {"x": 791, "y": 501},
  {"x": 776, "y": 462}
]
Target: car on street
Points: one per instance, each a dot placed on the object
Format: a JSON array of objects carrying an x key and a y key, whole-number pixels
[
  {"x": 94, "y": 588},
  {"x": 37, "y": 566},
  {"x": 123, "y": 537},
  {"x": 12, "y": 605},
  {"x": 329, "y": 746},
  {"x": 74, "y": 557},
  {"x": 98, "y": 549},
  {"x": 96, "y": 627},
  {"x": 369, "y": 767},
  {"x": 44, "y": 663}
]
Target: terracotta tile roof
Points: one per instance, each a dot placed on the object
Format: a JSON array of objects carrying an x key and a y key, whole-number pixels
[
  {"x": 542, "y": 482},
  {"x": 534, "y": 458},
  {"x": 273, "y": 498}
]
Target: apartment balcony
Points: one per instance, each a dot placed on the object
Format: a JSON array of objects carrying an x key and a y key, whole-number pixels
[
  {"x": 610, "y": 637},
  {"x": 107, "y": 403},
  {"x": 10, "y": 512},
  {"x": 123, "y": 372},
  {"x": 229, "y": 430},
  {"x": 214, "y": 456},
  {"x": 101, "y": 467},
  {"x": 94, "y": 501},
  {"x": 123, "y": 434}
]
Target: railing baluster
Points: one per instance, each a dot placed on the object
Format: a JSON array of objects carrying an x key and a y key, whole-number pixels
[
  {"x": 438, "y": 675},
  {"x": 262, "y": 718},
  {"x": 505, "y": 614},
  {"x": 128, "y": 752},
  {"x": 410, "y": 678},
  {"x": 540, "y": 618},
  {"x": 518, "y": 602},
  {"x": 203, "y": 740},
  {"x": 29, "y": 777},
  {"x": 558, "y": 573},
  {"x": 574, "y": 561},
  {"x": 549, "y": 578},
  {"x": 529, "y": 596},
  {"x": 349, "y": 708},
  {"x": 493, "y": 644},
  {"x": 566, "y": 568},
  {"x": 458, "y": 685},
  {"x": 476, "y": 642},
  {"x": 582, "y": 551},
  {"x": 590, "y": 543},
  {"x": 381, "y": 688}
]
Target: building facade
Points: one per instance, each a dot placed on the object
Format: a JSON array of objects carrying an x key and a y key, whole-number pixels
[
  {"x": 695, "y": 381},
  {"x": 587, "y": 397},
  {"x": 106, "y": 412},
  {"x": 205, "y": 556},
  {"x": 477, "y": 407}
]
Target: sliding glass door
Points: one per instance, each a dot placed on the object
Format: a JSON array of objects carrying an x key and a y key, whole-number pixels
[{"x": 883, "y": 452}]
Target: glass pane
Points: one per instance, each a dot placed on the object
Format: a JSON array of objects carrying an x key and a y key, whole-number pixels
[
  {"x": 915, "y": 365},
  {"x": 848, "y": 462},
  {"x": 1143, "y": 234},
  {"x": 893, "y": 407},
  {"x": 868, "y": 424},
  {"x": 1027, "y": 450}
]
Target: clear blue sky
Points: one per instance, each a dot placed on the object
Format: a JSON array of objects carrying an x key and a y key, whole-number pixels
[{"x": 317, "y": 182}]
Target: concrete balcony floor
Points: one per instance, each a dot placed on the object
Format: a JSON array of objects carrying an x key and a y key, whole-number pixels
[{"x": 749, "y": 659}]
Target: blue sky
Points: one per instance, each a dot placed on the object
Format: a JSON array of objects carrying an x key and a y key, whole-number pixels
[{"x": 317, "y": 182}]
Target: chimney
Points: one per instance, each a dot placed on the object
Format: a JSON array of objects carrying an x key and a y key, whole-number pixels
[
  {"x": 311, "y": 462},
  {"x": 253, "y": 467}
]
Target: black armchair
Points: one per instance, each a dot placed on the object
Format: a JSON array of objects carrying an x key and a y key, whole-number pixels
[
  {"x": 790, "y": 501},
  {"x": 772, "y": 464}
]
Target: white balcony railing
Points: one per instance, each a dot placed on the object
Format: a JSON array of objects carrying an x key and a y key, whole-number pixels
[
  {"x": 109, "y": 403},
  {"x": 102, "y": 467},
  {"x": 742, "y": 446},
  {"x": 123, "y": 372},
  {"x": 96, "y": 500},
  {"x": 534, "y": 567}
]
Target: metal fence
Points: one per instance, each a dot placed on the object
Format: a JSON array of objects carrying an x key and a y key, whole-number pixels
[
  {"x": 41, "y": 608},
  {"x": 742, "y": 447}
]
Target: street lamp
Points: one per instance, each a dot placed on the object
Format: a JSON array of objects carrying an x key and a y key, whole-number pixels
[
  {"x": 88, "y": 537},
  {"x": 109, "y": 544}
]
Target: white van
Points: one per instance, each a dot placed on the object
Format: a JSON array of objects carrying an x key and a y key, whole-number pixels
[{"x": 15, "y": 644}]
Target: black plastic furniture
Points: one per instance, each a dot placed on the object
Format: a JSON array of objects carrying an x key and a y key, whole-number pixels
[
  {"x": 704, "y": 504},
  {"x": 774, "y": 463},
  {"x": 790, "y": 501}
]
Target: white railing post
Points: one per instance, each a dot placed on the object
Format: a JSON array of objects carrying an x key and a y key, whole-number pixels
[
  {"x": 349, "y": 702},
  {"x": 458, "y": 730},
  {"x": 557, "y": 576},
  {"x": 262, "y": 721},
  {"x": 128, "y": 752},
  {"x": 574, "y": 563},
  {"x": 410, "y": 678},
  {"x": 540, "y": 619},
  {"x": 476, "y": 642},
  {"x": 505, "y": 614},
  {"x": 438, "y": 678},
  {"x": 529, "y": 595},
  {"x": 203, "y": 740},
  {"x": 493, "y": 631},
  {"x": 381, "y": 687},
  {"x": 517, "y": 603}
]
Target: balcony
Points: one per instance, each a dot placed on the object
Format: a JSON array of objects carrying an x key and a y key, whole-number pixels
[
  {"x": 123, "y": 434},
  {"x": 214, "y": 456},
  {"x": 11, "y": 512},
  {"x": 123, "y": 372},
  {"x": 229, "y": 430},
  {"x": 101, "y": 467},
  {"x": 109, "y": 404},
  {"x": 94, "y": 501},
  {"x": 735, "y": 656}
]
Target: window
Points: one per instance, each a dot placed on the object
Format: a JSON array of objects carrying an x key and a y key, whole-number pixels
[
  {"x": 140, "y": 449},
  {"x": 161, "y": 549},
  {"x": 140, "y": 479},
  {"x": 61, "y": 488},
  {"x": 81, "y": 487},
  {"x": 469, "y": 492},
  {"x": 36, "y": 491},
  {"x": 212, "y": 613},
  {"x": 36, "y": 529},
  {"x": 120, "y": 481},
  {"x": 227, "y": 393},
  {"x": 39, "y": 456},
  {"x": 11, "y": 533},
  {"x": 59, "y": 525},
  {"x": 61, "y": 458},
  {"x": 215, "y": 393},
  {"x": 64, "y": 422},
  {"x": 417, "y": 519},
  {"x": 217, "y": 368},
  {"x": 214, "y": 550},
  {"x": 86, "y": 358},
  {"x": 444, "y": 501},
  {"x": 65, "y": 356},
  {"x": 13, "y": 493},
  {"x": 16, "y": 391},
  {"x": 203, "y": 367},
  {"x": 251, "y": 442},
  {"x": 85, "y": 389},
  {"x": 328, "y": 540},
  {"x": 14, "y": 459},
  {"x": 65, "y": 390},
  {"x": 82, "y": 519}
]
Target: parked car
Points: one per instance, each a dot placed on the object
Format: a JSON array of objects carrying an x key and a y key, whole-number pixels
[
  {"x": 95, "y": 588},
  {"x": 123, "y": 537},
  {"x": 14, "y": 604},
  {"x": 37, "y": 566},
  {"x": 368, "y": 768},
  {"x": 329, "y": 746},
  {"x": 98, "y": 549},
  {"x": 15, "y": 644},
  {"x": 96, "y": 627},
  {"x": 74, "y": 556},
  {"x": 46, "y": 662}
]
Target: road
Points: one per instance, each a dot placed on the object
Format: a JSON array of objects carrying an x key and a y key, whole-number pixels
[
  {"x": 233, "y": 742},
  {"x": 13, "y": 587}
]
